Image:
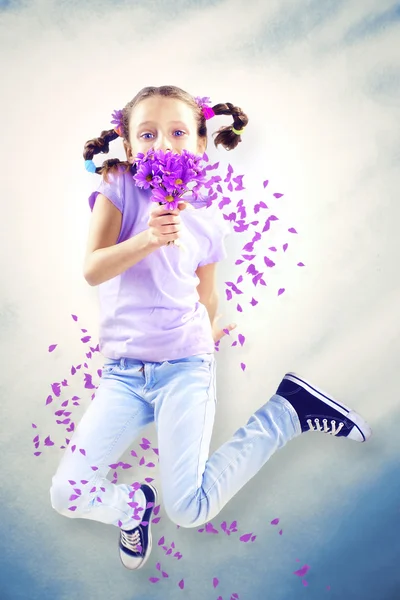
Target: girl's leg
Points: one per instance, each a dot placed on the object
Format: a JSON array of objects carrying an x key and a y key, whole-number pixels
[
  {"x": 195, "y": 487},
  {"x": 115, "y": 417}
]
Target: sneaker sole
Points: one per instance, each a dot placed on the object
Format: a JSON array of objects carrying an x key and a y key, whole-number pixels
[
  {"x": 359, "y": 423},
  {"x": 150, "y": 537}
]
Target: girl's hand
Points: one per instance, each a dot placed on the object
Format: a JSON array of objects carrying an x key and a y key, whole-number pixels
[
  {"x": 220, "y": 333},
  {"x": 164, "y": 224}
]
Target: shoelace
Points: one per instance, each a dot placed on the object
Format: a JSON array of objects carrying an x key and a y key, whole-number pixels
[
  {"x": 131, "y": 540},
  {"x": 325, "y": 429}
]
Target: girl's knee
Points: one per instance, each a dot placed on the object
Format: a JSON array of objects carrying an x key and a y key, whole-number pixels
[
  {"x": 185, "y": 516},
  {"x": 60, "y": 497}
]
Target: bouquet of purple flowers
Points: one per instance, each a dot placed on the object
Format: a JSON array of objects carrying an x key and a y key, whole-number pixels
[{"x": 170, "y": 176}]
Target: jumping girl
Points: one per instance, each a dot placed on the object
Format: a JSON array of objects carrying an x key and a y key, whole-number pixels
[{"x": 158, "y": 328}]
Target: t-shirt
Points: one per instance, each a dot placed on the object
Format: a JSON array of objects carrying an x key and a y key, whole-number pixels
[{"x": 151, "y": 312}]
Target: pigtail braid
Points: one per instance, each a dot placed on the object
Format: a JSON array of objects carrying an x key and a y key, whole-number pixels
[
  {"x": 225, "y": 136},
  {"x": 101, "y": 145}
]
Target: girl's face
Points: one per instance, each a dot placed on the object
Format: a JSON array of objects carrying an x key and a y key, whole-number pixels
[{"x": 163, "y": 123}]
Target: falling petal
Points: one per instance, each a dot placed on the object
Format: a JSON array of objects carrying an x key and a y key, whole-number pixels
[
  {"x": 280, "y": 532},
  {"x": 300, "y": 264},
  {"x": 275, "y": 522},
  {"x": 153, "y": 579},
  {"x": 241, "y": 339},
  {"x": 265, "y": 183},
  {"x": 303, "y": 571},
  {"x": 164, "y": 574},
  {"x": 292, "y": 230},
  {"x": 210, "y": 528},
  {"x": 88, "y": 381},
  {"x": 161, "y": 541},
  {"x": 253, "y": 537},
  {"x": 246, "y": 537},
  {"x": 82, "y": 451},
  {"x": 285, "y": 247},
  {"x": 254, "y": 302},
  {"x": 304, "y": 582},
  {"x": 119, "y": 523},
  {"x": 243, "y": 366},
  {"x": 278, "y": 195},
  {"x": 49, "y": 400},
  {"x": 34, "y": 426},
  {"x": 52, "y": 347},
  {"x": 268, "y": 262},
  {"x": 72, "y": 508},
  {"x": 181, "y": 584},
  {"x": 281, "y": 291},
  {"x": 157, "y": 520},
  {"x": 75, "y": 318},
  {"x": 56, "y": 389},
  {"x": 215, "y": 582}
]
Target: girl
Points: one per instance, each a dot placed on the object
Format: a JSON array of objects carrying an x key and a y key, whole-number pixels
[{"x": 158, "y": 328}]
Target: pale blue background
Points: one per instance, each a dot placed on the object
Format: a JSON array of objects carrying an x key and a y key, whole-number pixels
[{"x": 320, "y": 81}]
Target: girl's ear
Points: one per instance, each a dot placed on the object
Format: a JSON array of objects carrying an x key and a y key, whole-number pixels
[
  {"x": 201, "y": 145},
  {"x": 128, "y": 152}
]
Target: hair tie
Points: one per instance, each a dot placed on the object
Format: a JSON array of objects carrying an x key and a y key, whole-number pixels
[
  {"x": 237, "y": 131},
  {"x": 204, "y": 103},
  {"x": 90, "y": 166}
]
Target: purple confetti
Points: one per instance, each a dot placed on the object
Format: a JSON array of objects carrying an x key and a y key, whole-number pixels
[{"x": 303, "y": 571}]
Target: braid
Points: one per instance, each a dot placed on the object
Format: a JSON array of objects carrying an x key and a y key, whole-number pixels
[
  {"x": 225, "y": 136},
  {"x": 101, "y": 145}
]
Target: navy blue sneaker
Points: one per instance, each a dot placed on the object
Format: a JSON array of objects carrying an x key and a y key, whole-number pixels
[
  {"x": 135, "y": 545},
  {"x": 319, "y": 412}
]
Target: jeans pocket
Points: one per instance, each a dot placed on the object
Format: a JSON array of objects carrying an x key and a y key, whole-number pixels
[
  {"x": 109, "y": 367},
  {"x": 200, "y": 359}
]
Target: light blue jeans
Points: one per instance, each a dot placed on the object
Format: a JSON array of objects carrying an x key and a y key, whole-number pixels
[{"x": 180, "y": 397}]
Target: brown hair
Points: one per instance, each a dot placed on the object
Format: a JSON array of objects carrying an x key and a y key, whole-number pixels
[{"x": 224, "y": 136}]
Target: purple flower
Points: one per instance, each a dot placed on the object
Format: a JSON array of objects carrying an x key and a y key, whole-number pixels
[
  {"x": 160, "y": 195},
  {"x": 117, "y": 120},
  {"x": 170, "y": 175},
  {"x": 145, "y": 176}
]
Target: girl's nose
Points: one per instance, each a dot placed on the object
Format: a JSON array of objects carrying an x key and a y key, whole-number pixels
[{"x": 163, "y": 144}]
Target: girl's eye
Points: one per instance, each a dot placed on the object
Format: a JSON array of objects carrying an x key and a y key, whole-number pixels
[
  {"x": 179, "y": 131},
  {"x": 144, "y": 134}
]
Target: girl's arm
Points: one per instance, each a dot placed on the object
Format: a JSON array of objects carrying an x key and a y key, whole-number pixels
[{"x": 105, "y": 258}]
